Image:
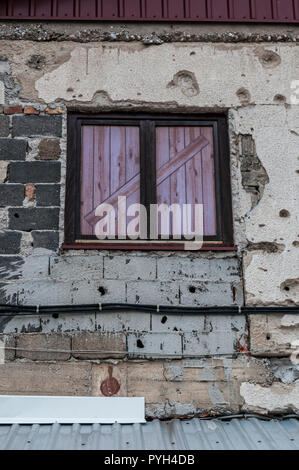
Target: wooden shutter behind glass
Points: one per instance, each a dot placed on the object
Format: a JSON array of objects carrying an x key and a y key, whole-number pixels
[
  {"x": 185, "y": 170},
  {"x": 110, "y": 168}
]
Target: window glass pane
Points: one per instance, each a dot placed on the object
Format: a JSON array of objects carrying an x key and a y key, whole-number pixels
[
  {"x": 110, "y": 168},
  {"x": 185, "y": 174}
]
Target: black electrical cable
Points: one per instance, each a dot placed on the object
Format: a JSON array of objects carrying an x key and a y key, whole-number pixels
[{"x": 56, "y": 310}]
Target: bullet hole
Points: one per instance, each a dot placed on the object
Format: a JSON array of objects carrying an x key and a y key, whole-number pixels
[
  {"x": 254, "y": 175},
  {"x": 280, "y": 99},
  {"x": 175, "y": 329},
  {"x": 36, "y": 62},
  {"x": 284, "y": 213},
  {"x": 192, "y": 289},
  {"x": 187, "y": 83},
  {"x": 234, "y": 289},
  {"x": 102, "y": 290},
  {"x": 291, "y": 286},
  {"x": 70, "y": 90},
  {"x": 192, "y": 53},
  {"x": 268, "y": 336},
  {"x": 55, "y": 315},
  {"x": 268, "y": 247},
  {"x": 140, "y": 344},
  {"x": 16, "y": 215},
  {"x": 244, "y": 95},
  {"x": 164, "y": 319},
  {"x": 269, "y": 59}
]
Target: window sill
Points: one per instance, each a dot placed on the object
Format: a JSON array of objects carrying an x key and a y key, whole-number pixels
[{"x": 145, "y": 247}]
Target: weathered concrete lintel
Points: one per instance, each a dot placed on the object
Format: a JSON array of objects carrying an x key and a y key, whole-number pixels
[{"x": 147, "y": 33}]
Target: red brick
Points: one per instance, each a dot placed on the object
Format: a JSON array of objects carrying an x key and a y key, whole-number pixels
[
  {"x": 30, "y": 110},
  {"x": 54, "y": 111},
  {"x": 13, "y": 110},
  {"x": 30, "y": 192}
]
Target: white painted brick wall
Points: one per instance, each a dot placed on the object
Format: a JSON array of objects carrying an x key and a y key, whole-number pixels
[
  {"x": 207, "y": 293},
  {"x": 44, "y": 293},
  {"x": 153, "y": 292},
  {"x": 34, "y": 267},
  {"x": 87, "y": 292},
  {"x": 197, "y": 268},
  {"x": 156, "y": 344},
  {"x": 68, "y": 323},
  {"x": 169, "y": 323},
  {"x": 123, "y": 321},
  {"x": 77, "y": 267},
  {"x": 130, "y": 268},
  {"x": 198, "y": 343}
]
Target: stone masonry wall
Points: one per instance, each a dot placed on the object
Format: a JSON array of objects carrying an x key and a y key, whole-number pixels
[{"x": 183, "y": 365}]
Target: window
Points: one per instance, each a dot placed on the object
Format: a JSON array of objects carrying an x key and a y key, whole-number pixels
[{"x": 153, "y": 162}]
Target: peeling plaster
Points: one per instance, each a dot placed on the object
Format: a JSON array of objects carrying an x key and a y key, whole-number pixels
[
  {"x": 277, "y": 398},
  {"x": 91, "y": 67}
]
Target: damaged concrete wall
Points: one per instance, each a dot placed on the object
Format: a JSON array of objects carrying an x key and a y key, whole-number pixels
[{"x": 249, "y": 76}]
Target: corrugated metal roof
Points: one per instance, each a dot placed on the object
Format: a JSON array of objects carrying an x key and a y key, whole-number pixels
[
  {"x": 153, "y": 10},
  {"x": 193, "y": 434}
]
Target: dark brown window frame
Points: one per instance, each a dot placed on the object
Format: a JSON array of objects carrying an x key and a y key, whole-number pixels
[{"x": 147, "y": 123}]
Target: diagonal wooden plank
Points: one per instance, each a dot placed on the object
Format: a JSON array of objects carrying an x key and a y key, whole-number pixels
[
  {"x": 126, "y": 190},
  {"x": 181, "y": 158}
]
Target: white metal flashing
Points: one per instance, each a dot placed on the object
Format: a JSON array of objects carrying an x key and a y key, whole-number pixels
[{"x": 66, "y": 410}]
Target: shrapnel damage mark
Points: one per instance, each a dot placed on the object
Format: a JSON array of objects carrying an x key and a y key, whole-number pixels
[
  {"x": 268, "y": 247},
  {"x": 187, "y": 83},
  {"x": 254, "y": 175}
]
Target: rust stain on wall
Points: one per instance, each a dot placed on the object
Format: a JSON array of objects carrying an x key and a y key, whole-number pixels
[{"x": 110, "y": 386}]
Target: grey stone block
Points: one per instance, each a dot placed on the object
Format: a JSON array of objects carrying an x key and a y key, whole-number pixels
[
  {"x": 33, "y": 219},
  {"x": 13, "y": 149},
  {"x": 31, "y": 126},
  {"x": 46, "y": 239},
  {"x": 4, "y": 126},
  {"x": 11, "y": 195},
  {"x": 10, "y": 243},
  {"x": 34, "y": 172},
  {"x": 48, "y": 194}
]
